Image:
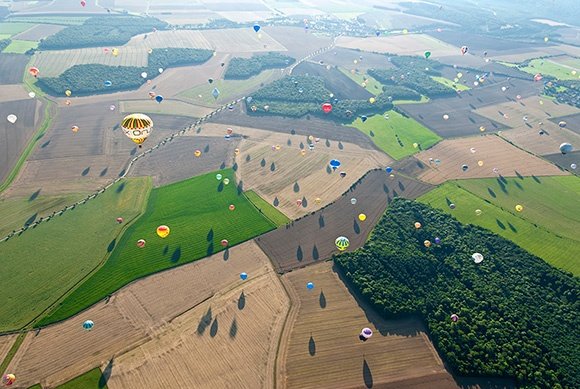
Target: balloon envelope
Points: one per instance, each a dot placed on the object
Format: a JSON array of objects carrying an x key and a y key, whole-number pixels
[
  {"x": 12, "y": 118},
  {"x": 163, "y": 231},
  {"x": 454, "y": 318},
  {"x": 362, "y": 217},
  {"x": 477, "y": 257},
  {"x": 342, "y": 243},
  {"x": 159, "y": 98},
  {"x": 566, "y": 148},
  {"x": 88, "y": 325},
  {"x": 141, "y": 243},
  {"x": 310, "y": 285},
  {"x": 8, "y": 379},
  {"x": 243, "y": 276},
  {"x": 366, "y": 333},
  {"x": 326, "y": 107},
  {"x": 334, "y": 163},
  {"x": 257, "y": 27},
  {"x": 137, "y": 127}
]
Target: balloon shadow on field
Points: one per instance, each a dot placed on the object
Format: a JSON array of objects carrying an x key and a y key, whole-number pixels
[
  {"x": 299, "y": 253},
  {"x": 367, "y": 374},
  {"x": 31, "y": 219},
  {"x": 491, "y": 192},
  {"x": 104, "y": 172},
  {"x": 214, "y": 328},
  {"x": 34, "y": 195},
  {"x": 321, "y": 221},
  {"x": 356, "y": 227},
  {"x": 204, "y": 322},
  {"x": 234, "y": 328},
  {"x": 242, "y": 301},
  {"x": 45, "y": 144},
  {"x": 176, "y": 256},
  {"x": 112, "y": 245},
  {"x": 86, "y": 171},
  {"x": 311, "y": 346},
  {"x": 120, "y": 188},
  {"x": 226, "y": 254},
  {"x": 512, "y": 227},
  {"x": 315, "y": 254},
  {"x": 536, "y": 179},
  {"x": 500, "y": 224},
  {"x": 322, "y": 300},
  {"x": 106, "y": 374}
]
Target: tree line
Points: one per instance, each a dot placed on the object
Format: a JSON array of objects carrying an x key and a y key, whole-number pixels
[
  {"x": 96, "y": 78},
  {"x": 243, "y": 68},
  {"x": 4, "y": 43},
  {"x": 101, "y": 31},
  {"x": 518, "y": 317}
]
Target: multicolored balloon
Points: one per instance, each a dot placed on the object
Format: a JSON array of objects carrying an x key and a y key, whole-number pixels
[
  {"x": 8, "y": 379},
  {"x": 342, "y": 243},
  {"x": 365, "y": 334},
  {"x": 163, "y": 231},
  {"x": 88, "y": 325},
  {"x": 137, "y": 127},
  {"x": 141, "y": 243}
]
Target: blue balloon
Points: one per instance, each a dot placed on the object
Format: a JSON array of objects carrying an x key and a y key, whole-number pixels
[
  {"x": 257, "y": 27},
  {"x": 88, "y": 325},
  {"x": 363, "y": 118},
  {"x": 437, "y": 240},
  {"x": 108, "y": 83},
  {"x": 377, "y": 33},
  {"x": 389, "y": 169},
  {"x": 159, "y": 98},
  {"x": 334, "y": 163},
  {"x": 244, "y": 276},
  {"x": 310, "y": 285}
]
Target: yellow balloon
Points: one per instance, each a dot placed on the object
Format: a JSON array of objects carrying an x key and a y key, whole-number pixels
[
  {"x": 137, "y": 127},
  {"x": 362, "y": 217},
  {"x": 519, "y": 208},
  {"x": 236, "y": 151},
  {"x": 68, "y": 93},
  {"x": 405, "y": 31},
  {"x": 372, "y": 100},
  {"x": 479, "y": 163},
  {"x": 427, "y": 243},
  {"x": 163, "y": 231},
  {"x": 415, "y": 145},
  {"x": 115, "y": 52},
  {"x": 317, "y": 200},
  {"x": 417, "y": 225},
  {"x": 197, "y": 153},
  {"x": 303, "y": 152}
]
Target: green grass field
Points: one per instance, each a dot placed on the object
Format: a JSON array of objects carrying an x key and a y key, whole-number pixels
[
  {"x": 196, "y": 211},
  {"x": 15, "y": 212},
  {"x": 40, "y": 265},
  {"x": 267, "y": 209},
  {"x": 228, "y": 88},
  {"x": 424, "y": 99},
  {"x": 383, "y": 132},
  {"x": 20, "y": 47},
  {"x": 12, "y": 29},
  {"x": 4, "y": 36},
  {"x": 447, "y": 82},
  {"x": 90, "y": 380},
  {"x": 37, "y": 386},
  {"x": 62, "y": 20},
  {"x": 547, "y": 67},
  {"x": 538, "y": 228},
  {"x": 372, "y": 85}
]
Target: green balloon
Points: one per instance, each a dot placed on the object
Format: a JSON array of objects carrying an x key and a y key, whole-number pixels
[{"x": 427, "y": 54}]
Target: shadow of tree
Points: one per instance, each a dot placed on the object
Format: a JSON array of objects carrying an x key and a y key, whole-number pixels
[
  {"x": 315, "y": 254},
  {"x": 104, "y": 172},
  {"x": 321, "y": 221},
  {"x": 491, "y": 192},
  {"x": 500, "y": 224}
]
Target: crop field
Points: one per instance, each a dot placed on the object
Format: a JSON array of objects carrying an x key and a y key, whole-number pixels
[
  {"x": 311, "y": 238},
  {"x": 20, "y": 47},
  {"x": 552, "y": 68},
  {"x": 229, "y": 89},
  {"x": 138, "y": 313},
  {"x": 353, "y": 59},
  {"x": 491, "y": 150},
  {"x": 535, "y": 229},
  {"x": 523, "y": 55},
  {"x": 397, "y": 135},
  {"x": 12, "y": 68},
  {"x": 323, "y": 348},
  {"x": 166, "y": 107},
  {"x": 410, "y": 44},
  {"x": 59, "y": 20},
  {"x": 176, "y": 161},
  {"x": 461, "y": 109},
  {"x": 12, "y": 29},
  {"x": 15, "y": 137},
  {"x": 298, "y": 43},
  {"x": 370, "y": 84},
  {"x": 342, "y": 86},
  {"x": 525, "y": 133},
  {"x": 391, "y": 20},
  {"x": 228, "y": 341},
  {"x": 18, "y": 211},
  {"x": 91, "y": 379},
  {"x": 196, "y": 233},
  {"x": 223, "y": 41},
  {"x": 6, "y": 342},
  {"x": 284, "y": 176},
  {"x": 451, "y": 84},
  {"x": 565, "y": 161},
  {"x": 38, "y": 32},
  {"x": 567, "y": 61},
  {"x": 13, "y": 92},
  {"x": 277, "y": 217},
  {"x": 45, "y": 252}
]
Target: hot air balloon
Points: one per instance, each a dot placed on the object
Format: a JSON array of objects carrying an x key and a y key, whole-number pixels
[
  {"x": 232, "y": 207},
  {"x": 108, "y": 83},
  {"x": 566, "y": 148},
  {"x": 389, "y": 169},
  {"x": 473, "y": 150},
  {"x": 377, "y": 33},
  {"x": 141, "y": 243},
  {"x": 310, "y": 286},
  {"x": 31, "y": 95},
  {"x": 454, "y": 318},
  {"x": 159, "y": 98},
  {"x": 372, "y": 100},
  {"x": 334, "y": 164},
  {"x": 477, "y": 257},
  {"x": 363, "y": 118},
  {"x": 218, "y": 177},
  {"x": 115, "y": 52},
  {"x": 427, "y": 54},
  {"x": 362, "y": 217},
  {"x": 88, "y": 325},
  {"x": 12, "y": 118},
  {"x": 8, "y": 379},
  {"x": 160, "y": 70},
  {"x": 573, "y": 166},
  {"x": 464, "y": 167},
  {"x": 34, "y": 71},
  {"x": 244, "y": 276},
  {"x": 68, "y": 92},
  {"x": 67, "y": 102},
  {"x": 137, "y": 127},
  {"x": 75, "y": 129},
  {"x": 437, "y": 240},
  {"x": 144, "y": 74},
  {"x": 353, "y": 201},
  {"x": 112, "y": 107},
  {"x": 326, "y": 107},
  {"x": 427, "y": 243},
  {"x": 478, "y": 212},
  {"x": 464, "y": 50},
  {"x": 445, "y": 117},
  {"x": 224, "y": 242},
  {"x": 365, "y": 334},
  {"x": 226, "y": 181},
  {"x": 197, "y": 153},
  {"x": 452, "y": 206},
  {"x": 538, "y": 77},
  {"x": 119, "y": 220},
  {"x": 210, "y": 80},
  {"x": 215, "y": 93},
  {"x": 417, "y": 225},
  {"x": 163, "y": 231},
  {"x": 83, "y": 3},
  {"x": 257, "y": 27},
  {"x": 562, "y": 124},
  {"x": 342, "y": 243},
  {"x": 519, "y": 208}
]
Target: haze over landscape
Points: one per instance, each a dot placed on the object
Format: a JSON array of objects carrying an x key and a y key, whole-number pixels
[{"x": 289, "y": 194}]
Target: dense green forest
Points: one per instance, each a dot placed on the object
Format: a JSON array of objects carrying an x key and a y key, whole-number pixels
[
  {"x": 567, "y": 92},
  {"x": 413, "y": 73},
  {"x": 518, "y": 316},
  {"x": 90, "y": 79},
  {"x": 4, "y": 44},
  {"x": 242, "y": 68},
  {"x": 297, "y": 96},
  {"x": 101, "y": 31}
]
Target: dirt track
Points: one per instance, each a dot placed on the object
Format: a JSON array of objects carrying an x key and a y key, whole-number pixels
[
  {"x": 6, "y": 342},
  {"x": 311, "y": 238},
  {"x": 141, "y": 312},
  {"x": 323, "y": 348}
]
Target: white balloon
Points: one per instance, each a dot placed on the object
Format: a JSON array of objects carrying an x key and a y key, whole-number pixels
[
  {"x": 160, "y": 70},
  {"x": 12, "y": 118},
  {"x": 477, "y": 257},
  {"x": 32, "y": 95},
  {"x": 144, "y": 74}
]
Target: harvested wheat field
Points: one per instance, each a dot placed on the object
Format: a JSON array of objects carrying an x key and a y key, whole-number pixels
[
  {"x": 12, "y": 92},
  {"x": 323, "y": 348},
  {"x": 296, "y": 41},
  {"x": 284, "y": 176},
  {"x": 139, "y": 312},
  {"x": 410, "y": 44},
  {"x": 169, "y": 107},
  {"x": 525, "y": 116},
  {"x": 311, "y": 238},
  {"x": 230, "y": 340},
  {"x": 6, "y": 342},
  {"x": 493, "y": 151}
]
